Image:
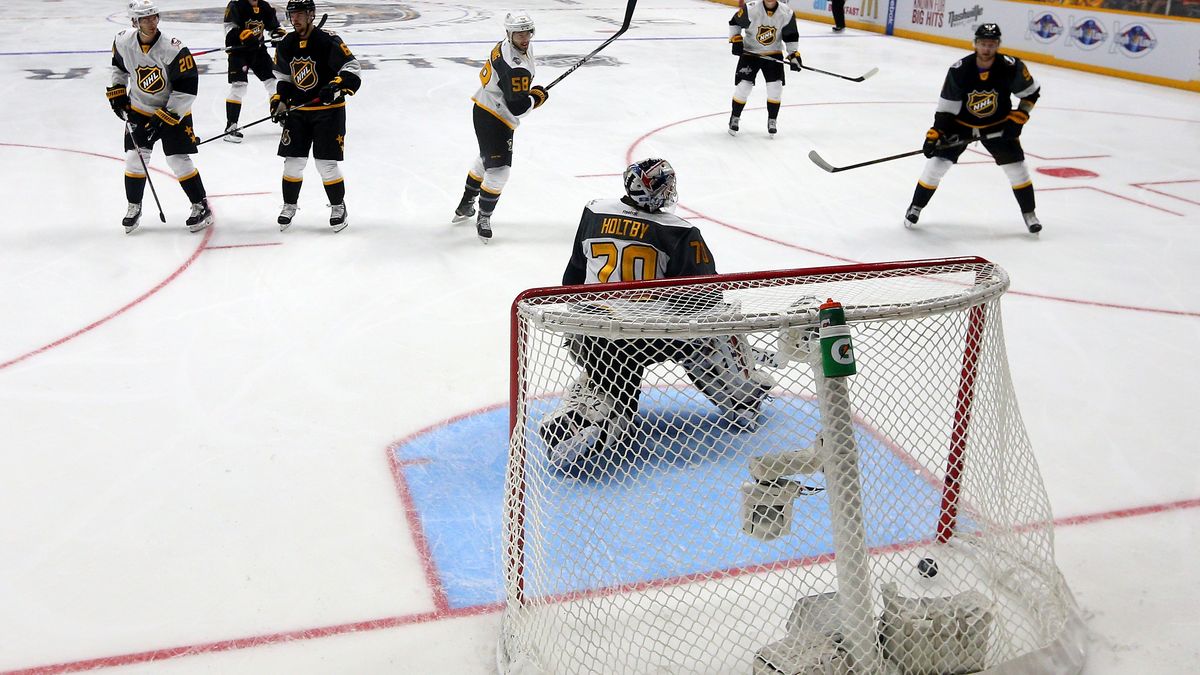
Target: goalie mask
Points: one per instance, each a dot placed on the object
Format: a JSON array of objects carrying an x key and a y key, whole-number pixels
[
  {"x": 140, "y": 9},
  {"x": 517, "y": 22},
  {"x": 650, "y": 183}
]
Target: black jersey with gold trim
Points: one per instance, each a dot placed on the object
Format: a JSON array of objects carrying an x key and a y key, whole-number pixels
[
  {"x": 240, "y": 16},
  {"x": 304, "y": 66},
  {"x": 616, "y": 241},
  {"x": 982, "y": 98}
]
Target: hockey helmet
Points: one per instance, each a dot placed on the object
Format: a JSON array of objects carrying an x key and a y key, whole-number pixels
[
  {"x": 517, "y": 22},
  {"x": 140, "y": 9},
  {"x": 650, "y": 183},
  {"x": 988, "y": 31},
  {"x": 294, "y": 6}
]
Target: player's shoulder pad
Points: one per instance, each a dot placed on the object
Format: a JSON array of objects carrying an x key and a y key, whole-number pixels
[
  {"x": 958, "y": 64},
  {"x": 1011, "y": 60}
]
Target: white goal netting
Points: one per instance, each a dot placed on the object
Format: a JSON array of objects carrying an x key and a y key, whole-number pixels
[{"x": 689, "y": 492}]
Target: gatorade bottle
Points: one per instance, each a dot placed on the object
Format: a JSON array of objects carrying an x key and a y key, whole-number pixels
[{"x": 837, "y": 351}]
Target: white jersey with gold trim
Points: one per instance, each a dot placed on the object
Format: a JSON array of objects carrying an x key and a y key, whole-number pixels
[
  {"x": 766, "y": 32},
  {"x": 505, "y": 80},
  {"x": 163, "y": 75}
]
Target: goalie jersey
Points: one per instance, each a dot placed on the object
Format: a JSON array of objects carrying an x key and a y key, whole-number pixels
[
  {"x": 978, "y": 99},
  {"x": 505, "y": 80},
  {"x": 163, "y": 72},
  {"x": 618, "y": 242},
  {"x": 765, "y": 30}
]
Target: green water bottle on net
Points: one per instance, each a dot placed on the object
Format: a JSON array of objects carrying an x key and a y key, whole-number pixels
[{"x": 837, "y": 349}]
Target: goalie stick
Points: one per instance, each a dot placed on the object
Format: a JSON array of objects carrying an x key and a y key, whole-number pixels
[
  {"x": 621, "y": 31},
  {"x": 860, "y": 78}
]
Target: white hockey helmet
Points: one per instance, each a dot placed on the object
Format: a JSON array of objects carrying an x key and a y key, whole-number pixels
[
  {"x": 139, "y": 9},
  {"x": 518, "y": 21},
  {"x": 650, "y": 183}
]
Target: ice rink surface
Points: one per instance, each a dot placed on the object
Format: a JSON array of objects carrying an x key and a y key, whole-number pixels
[{"x": 197, "y": 431}]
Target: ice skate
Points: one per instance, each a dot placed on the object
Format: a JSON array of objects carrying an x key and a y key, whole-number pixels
[
  {"x": 772, "y": 127},
  {"x": 1032, "y": 223},
  {"x": 483, "y": 227},
  {"x": 337, "y": 217},
  {"x": 733, "y": 124},
  {"x": 285, "y": 216},
  {"x": 466, "y": 209},
  {"x": 133, "y": 217},
  {"x": 201, "y": 216},
  {"x": 910, "y": 218},
  {"x": 232, "y": 135}
]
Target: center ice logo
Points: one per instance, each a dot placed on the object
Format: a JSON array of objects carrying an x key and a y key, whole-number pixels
[
  {"x": 304, "y": 73},
  {"x": 1087, "y": 34},
  {"x": 982, "y": 103},
  {"x": 766, "y": 35},
  {"x": 150, "y": 79},
  {"x": 1044, "y": 28}
]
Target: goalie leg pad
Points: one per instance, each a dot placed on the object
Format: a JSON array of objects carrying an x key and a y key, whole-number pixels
[
  {"x": 585, "y": 425},
  {"x": 723, "y": 369}
]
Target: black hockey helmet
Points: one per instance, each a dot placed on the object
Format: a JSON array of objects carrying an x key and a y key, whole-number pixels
[
  {"x": 988, "y": 31},
  {"x": 301, "y": 6}
]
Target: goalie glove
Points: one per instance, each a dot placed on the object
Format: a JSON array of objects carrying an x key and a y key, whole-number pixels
[
  {"x": 795, "y": 62},
  {"x": 118, "y": 98},
  {"x": 540, "y": 95}
]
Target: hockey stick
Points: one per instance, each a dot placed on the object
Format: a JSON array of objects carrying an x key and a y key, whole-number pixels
[
  {"x": 860, "y": 78},
  {"x": 146, "y": 169},
  {"x": 621, "y": 31},
  {"x": 819, "y": 161},
  {"x": 274, "y": 42},
  {"x": 265, "y": 119}
]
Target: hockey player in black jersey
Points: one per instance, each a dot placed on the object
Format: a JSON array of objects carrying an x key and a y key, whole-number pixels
[
  {"x": 976, "y": 102},
  {"x": 637, "y": 238},
  {"x": 506, "y": 94},
  {"x": 248, "y": 23},
  {"x": 316, "y": 72}
]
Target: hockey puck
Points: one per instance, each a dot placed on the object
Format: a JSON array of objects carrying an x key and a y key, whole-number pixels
[{"x": 927, "y": 567}]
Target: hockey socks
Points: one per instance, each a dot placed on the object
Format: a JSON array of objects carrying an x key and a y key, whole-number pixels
[
  {"x": 772, "y": 110},
  {"x": 291, "y": 189},
  {"x": 193, "y": 187},
  {"x": 922, "y": 195},
  {"x": 336, "y": 191},
  {"x": 487, "y": 202},
  {"x": 233, "y": 112},
  {"x": 135, "y": 187},
  {"x": 1024, "y": 195},
  {"x": 739, "y": 106}
]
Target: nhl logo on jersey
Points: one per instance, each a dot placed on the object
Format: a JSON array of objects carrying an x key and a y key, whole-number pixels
[
  {"x": 304, "y": 73},
  {"x": 766, "y": 35},
  {"x": 150, "y": 79},
  {"x": 981, "y": 103}
]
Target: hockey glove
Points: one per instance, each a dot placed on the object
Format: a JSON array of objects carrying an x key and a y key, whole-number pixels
[
  {"x": 279, "y": 109},
  {"x": 795, "y": 62},
  {"x": 737, "y": 47},
  {"x": 248, "y": 36},
  {"x": 331, "y": 91},
  {"x": 118, "y": 98},
  {"x": 931, "y": 142},
  {"x": 539, "y": 94},
  {"x": 277, "y": 36},
  {"x": 1015, "y": 123}
]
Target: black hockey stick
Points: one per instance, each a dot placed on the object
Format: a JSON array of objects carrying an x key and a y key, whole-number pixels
[
  {"x": 274, "y": 42},
  {"x": 860, "y": 78},
  {"x": 146, "y": 169},
  {"x": 265, "y": 119},
  {"x": 621, "y": 31},
  {"x": 819, "y": 161}
]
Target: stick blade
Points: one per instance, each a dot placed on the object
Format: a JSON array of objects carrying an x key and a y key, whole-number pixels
[
  {"x": 869, "y": 73},
  {"x": 819, "y": 161}
]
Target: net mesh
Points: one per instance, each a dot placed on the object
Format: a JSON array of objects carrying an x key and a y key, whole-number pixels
[{"x": 687, "y": 493}]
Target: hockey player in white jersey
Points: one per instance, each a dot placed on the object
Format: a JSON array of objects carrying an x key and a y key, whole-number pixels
[
  {"x": 505, "y": 95},
  {"x": 638, "y": 238},
  {"x": 759, "y": 34},
  {"x": 154, "y": 83}
]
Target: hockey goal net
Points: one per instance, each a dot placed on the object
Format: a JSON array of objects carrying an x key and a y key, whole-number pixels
[{"x": 689, "y": 490}]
